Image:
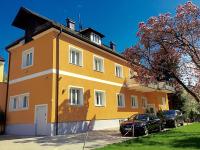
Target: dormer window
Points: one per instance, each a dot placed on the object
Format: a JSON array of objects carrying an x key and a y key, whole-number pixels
[{"x": 95, "y": 38}]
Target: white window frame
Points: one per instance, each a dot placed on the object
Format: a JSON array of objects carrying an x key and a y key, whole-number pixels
[
  {"x": 122, "y": 74},
  {"x": 81, "y": 96},
  {"x": 95, "y": 38},
  {"x": 11, "y": 103},
  {"x": 123, "y": 100},
  {"x": 80, "y": 51},
  {"x": 21, "y": 101},
  {"x": 146, "y": 101},
  {"x": 94, "y": 66},
  {"x": 24, "y": 56},
  {"x": 104, "y": 98},
  {"x": 136, "y": 101}
]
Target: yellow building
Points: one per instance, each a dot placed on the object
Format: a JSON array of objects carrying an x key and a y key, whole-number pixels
[
  {"x": 1, "y": 69},
  {"x": 62, "y": 80},
  {"x": 3, "y": 86}
]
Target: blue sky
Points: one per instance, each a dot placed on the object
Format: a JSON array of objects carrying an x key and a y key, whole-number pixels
[{"x": 116, "y": 19}]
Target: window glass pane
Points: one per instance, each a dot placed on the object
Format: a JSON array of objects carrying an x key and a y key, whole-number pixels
[
  {"x": 77, "y": 58},
  {"x": 25, "y": 102},
  {"x": 31, "y": 59},
  {"x": 99, "y": 98},
  {"x": 15, "y": 103},
  {"x": 118, "y": 71},
  {"x": 76, "y": 96},
  {"x": 27, "y": 59}
]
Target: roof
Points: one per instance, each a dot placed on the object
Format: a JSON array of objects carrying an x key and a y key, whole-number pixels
[
  {"x": 41, "y": 24},
  {"x": 2, "y": 59},
  {"x": 91, "y": 30}
]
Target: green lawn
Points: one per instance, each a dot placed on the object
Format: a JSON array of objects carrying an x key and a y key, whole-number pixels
[{"x": 182, "y": 138}]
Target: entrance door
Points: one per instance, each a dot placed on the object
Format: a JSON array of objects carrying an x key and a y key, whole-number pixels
[{"x": 41, "y": 119}]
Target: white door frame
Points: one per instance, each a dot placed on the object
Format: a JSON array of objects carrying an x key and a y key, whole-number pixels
[{"x": 35, "y": 115}]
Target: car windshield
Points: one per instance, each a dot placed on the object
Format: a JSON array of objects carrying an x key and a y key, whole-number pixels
[
  {"x": 131, "y": 118},
  {"x": 169, "y": 113},
  {"x": 141, "y": 117}
]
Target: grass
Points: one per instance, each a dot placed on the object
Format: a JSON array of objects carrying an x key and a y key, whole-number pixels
[{"x": 182, "y": 138}]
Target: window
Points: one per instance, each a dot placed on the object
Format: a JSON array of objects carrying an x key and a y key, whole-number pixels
[
  {"x": 134, "y": 102},
  {"x": 76, "y": 56},
  {"x": 19, "y": 102},
  {"x": 24, "y": 101},
  {"x": 99, "y": 98},
  {"x": 76, "y": 96},
  {"x": 163, "y": 101},
  {"x": 13, "y": 103},
  {"x": 98, "y": 64},
  {"x": 95, "y": 38},
  {"x": 120, "y": 100},
  {"x": 118, "y": 71},
  {"x": 144, "y": 102},
  {"x": 27, "y": 58}
]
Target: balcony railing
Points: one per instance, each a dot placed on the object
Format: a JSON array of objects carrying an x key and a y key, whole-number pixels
[{"x": 161, "y": 86}]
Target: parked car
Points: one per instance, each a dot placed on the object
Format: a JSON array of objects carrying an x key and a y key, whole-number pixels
[
  {"x": 142, "y": 123},
  {"x": 173, "y": 118}
]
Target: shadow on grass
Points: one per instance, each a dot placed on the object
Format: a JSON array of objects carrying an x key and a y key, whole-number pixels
[
  {"x": 191, "y": 142},
  {"x": 171, "y": 139}
]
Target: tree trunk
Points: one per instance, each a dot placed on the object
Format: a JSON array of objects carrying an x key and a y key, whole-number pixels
[{"x": 187, "y": 89}]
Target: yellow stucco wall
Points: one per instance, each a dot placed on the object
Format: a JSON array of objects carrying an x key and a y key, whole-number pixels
[
  {"x": 42, "y": 89},
  {"x": 1, "y": 71}
]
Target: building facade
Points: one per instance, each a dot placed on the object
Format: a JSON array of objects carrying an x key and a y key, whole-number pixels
[{"x": 66, "y": 81}]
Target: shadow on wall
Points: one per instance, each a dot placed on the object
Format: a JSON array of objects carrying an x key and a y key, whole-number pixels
[
  {"x": 73, "y": 119},
  {"x": 128, "y": 107}
]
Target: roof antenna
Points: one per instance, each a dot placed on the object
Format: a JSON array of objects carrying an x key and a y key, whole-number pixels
[{"x": 79, "y": 20}]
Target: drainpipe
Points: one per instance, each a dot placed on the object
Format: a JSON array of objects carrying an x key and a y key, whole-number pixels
[
  {"x": 57, "y": 78},
  {"x": 8, "y": 79}
]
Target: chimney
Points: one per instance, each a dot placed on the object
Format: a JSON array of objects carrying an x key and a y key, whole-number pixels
[
  {"x": 112, "y": 46},
  {"x": 70, "y": 23}
]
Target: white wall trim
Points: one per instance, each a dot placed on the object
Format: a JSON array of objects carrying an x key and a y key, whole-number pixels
[
  {"x": 31, "y": 76},
  {"x": 65, "y": 73},
  {"x": 89, "y": 78}
]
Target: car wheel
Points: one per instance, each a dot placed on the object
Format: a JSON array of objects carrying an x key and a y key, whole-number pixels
[
  {"x": 146, "y": 131},
  {"x": 182, "y": 123}
]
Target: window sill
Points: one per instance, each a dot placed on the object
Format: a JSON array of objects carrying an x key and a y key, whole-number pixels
[
  {"x": 98, "y": 71},
  {"x": 119, "y": 77},
  {"x": 121, "y": 107},
  {"x": 19, "y": 109},
  {"x": 134, "y": 107},
  {"x": 99, "y": 106},
  {"x": 76, "y": 65},
  {"x": 26, "y": 67},
  {"x": 76, "y": 105}
]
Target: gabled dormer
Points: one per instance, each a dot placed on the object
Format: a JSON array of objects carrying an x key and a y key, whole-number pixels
[
  {"x": 30, "y": 22},
  {"x": 93, "y": 35}
]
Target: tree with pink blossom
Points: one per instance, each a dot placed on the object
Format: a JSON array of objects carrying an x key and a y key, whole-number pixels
[{"x": 169, "y": 50}]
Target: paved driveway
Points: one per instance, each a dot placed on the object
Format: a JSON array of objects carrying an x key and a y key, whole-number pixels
[{"x": 65, "y": 142}]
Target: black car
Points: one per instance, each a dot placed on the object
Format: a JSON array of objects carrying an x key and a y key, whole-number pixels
[
  {"x": 142, "y": 124},
  {"x": 173, "y": 118}
]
